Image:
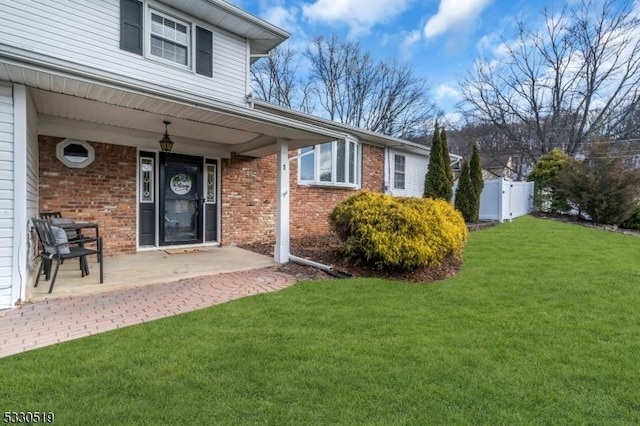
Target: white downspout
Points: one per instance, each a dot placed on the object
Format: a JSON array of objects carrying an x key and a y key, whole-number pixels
[{"x": 308, "y": 262}]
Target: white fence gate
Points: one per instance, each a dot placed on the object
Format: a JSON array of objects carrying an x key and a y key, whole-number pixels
[{"x": 503, "y": 199}]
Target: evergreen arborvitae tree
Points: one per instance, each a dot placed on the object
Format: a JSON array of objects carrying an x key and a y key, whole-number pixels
[
  {"x": 448, "y": 174},
  {"x": 435, "y": 163},
  {"x": 436, "y": 183},
  {"x": 465, "y": 195},
  {"x": 475, "y": 172}
]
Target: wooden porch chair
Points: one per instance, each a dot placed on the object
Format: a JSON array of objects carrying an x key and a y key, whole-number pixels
[{"x": 56, "y": 247}]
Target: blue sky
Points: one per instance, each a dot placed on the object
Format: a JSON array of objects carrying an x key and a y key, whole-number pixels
[{"x": 439, "y": 38}]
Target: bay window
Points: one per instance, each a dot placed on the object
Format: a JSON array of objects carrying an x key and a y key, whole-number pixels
[{"x": 334, "y": 163}]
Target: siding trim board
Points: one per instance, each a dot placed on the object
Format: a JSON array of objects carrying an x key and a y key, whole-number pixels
[
  {"x": 7, "y": 179},
  {"x": 20, "y": 219}
]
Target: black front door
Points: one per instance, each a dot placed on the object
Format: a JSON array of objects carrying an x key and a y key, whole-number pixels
[{"x": 181, "y": 199}]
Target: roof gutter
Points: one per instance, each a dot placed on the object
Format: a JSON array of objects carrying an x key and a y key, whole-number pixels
[
  {"x": 385, "y": 140},
  {"x": 242, "y": 14}
]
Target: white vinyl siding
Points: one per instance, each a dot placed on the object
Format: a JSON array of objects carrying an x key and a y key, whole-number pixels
[
  {"x": 6, "y": 196},
  {"x": 87, "y": 32},
  {"x": 415, "y": 169}
]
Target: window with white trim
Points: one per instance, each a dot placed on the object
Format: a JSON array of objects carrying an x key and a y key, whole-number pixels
[
  {"x": 399, "y": 163},
  {"x": 334, "y": 163},
  {"x": 169, "y": 38}
]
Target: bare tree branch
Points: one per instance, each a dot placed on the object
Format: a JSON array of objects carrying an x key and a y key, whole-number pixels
[
  {"x": 575, "y": 79},
  {"x": 346, "y": 84}
]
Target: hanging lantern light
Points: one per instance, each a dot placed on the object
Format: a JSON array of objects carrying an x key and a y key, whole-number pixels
[{"x": 166, "y": 144}]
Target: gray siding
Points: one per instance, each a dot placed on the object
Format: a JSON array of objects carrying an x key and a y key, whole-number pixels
[
  {"x": 86, "y": 32},
  {"x": 6, "y": 196}
]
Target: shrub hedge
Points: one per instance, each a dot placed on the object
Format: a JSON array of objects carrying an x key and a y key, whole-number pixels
[
  {"x": 394, "y": 233},
  {"x": 633, "y": 222}
]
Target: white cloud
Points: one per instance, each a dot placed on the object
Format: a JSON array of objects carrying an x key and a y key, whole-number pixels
[
  {"x": 408, "y": 42},
  {"x": 453, "y": 14},
  {"x": 281, "y": 17},
  {"x": 359, "y": 15},
  {"x": 411, "y": 39},
  {"x": 488, "y": 43},
  {"x": 453, "y": 119},
  {"x": 447, "y": 94}
]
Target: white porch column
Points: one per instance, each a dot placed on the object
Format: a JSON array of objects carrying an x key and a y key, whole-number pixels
[
  {"x": 20, "y": 177},
  {"x": 281, "y": 252}
]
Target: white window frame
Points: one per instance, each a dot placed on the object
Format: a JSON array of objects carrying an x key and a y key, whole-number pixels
[
  {"x": 397, "y": 172},
  {"x": 151, "y": 10},
  {"x": 355, "y": 163}
]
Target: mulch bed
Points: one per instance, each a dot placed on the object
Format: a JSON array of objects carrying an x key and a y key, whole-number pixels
[{"x": 326, "y": 250}]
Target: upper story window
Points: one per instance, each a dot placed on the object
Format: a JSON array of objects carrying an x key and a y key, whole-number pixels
[
  {"x": 165, "y": 37},
  {"x": 334, "y": 163},
  {"x": 169, "y": 38},
  {"x": 399, "y": 164}
]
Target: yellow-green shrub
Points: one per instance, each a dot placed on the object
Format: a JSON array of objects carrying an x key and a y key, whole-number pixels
[{"x": 398, "y": 233}]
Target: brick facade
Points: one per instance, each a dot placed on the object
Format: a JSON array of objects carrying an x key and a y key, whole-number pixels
[
  {"x": 249, "y": 198},
  {"x": 372, "y": 168},
  {"x": 103, "y": 192},
  {"x": 248, "y": 193}
]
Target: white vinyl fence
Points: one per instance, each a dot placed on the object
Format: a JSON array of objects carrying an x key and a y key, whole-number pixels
[{"x": 503, "y": 199}]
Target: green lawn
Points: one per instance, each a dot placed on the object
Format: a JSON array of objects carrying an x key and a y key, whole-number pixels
[{"x": 541, "y": 326}]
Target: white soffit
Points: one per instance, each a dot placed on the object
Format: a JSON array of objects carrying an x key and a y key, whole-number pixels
[
  {"x": 262, "y": 35},
  {"x": 58, "y": 94},
  {"x": 185, "y": 121}
]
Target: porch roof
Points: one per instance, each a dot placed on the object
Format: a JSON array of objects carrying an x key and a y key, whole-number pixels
[
  {"x": 364, "y": 135},
  {"x": 92, "y": 105}
]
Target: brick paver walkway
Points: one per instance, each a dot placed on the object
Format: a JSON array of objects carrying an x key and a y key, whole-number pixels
[{"x": 58, "y": 320}]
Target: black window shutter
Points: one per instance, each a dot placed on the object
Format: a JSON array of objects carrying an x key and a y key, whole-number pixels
[
  {"x": 204, "y": 52},
  {"x": 131, "y": 26}
]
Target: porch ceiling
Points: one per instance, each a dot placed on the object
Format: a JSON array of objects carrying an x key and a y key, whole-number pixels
[
  {"x": 186, "y": 121},
  {"x": 190, "y": 124},
  {"x": 202, "y": 122}
]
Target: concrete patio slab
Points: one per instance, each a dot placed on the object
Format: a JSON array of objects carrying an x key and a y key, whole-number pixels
[{"x": 147, "y": 267}]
